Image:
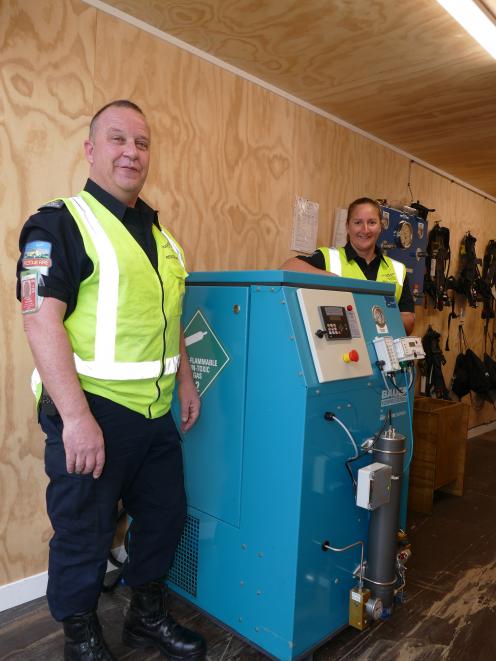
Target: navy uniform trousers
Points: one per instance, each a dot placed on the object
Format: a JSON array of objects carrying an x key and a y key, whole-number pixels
[{"x": 143, "y": 467}]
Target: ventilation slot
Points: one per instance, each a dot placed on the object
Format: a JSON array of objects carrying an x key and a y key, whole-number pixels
[{"x": 184, "y": 570}]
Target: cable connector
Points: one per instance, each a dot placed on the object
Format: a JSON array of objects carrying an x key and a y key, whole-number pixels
[{"x": 329, "y": 416}]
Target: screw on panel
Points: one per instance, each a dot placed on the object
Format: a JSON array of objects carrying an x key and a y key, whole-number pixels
[
  {"x": 348, "y": 406},
  {"x": 241, "y": 583},
  {"x": 244, "y": 547},
  {"x": 317, "y": 392},
  {"x": 257, "y": 628},
  {"x": 283, "y": 302},
  {"x": 260, "y": 554},
  {"x": 300, "y": 373},
  {"x": 236, "y": 308},
  {"x": 336, "y": 580},
  {"x": 259, "y": 592},
  {"x": 240, "y": 619}
]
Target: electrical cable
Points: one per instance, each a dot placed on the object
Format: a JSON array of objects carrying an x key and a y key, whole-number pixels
[
  {"x": 410, "y": 457},
  {"x": 409, "y": 369},
  {"x": 387, "y": 418},
  {"x": 390, "y": 379},
  {"x": 347, "y": 432}
]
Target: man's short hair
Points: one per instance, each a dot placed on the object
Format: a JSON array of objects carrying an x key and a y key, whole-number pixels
[{"x": 119, "y": 103}]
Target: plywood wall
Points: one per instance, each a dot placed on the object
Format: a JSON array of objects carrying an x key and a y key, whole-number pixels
[{"x": 228, "y": 159}]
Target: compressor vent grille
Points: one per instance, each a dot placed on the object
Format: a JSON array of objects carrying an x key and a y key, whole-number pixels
[{"x": 184, "y": 570}]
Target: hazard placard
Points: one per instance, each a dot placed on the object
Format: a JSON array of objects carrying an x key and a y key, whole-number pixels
[{"x": 206, "y": 354}]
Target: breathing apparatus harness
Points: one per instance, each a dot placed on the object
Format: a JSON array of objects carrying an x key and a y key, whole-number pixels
[
  {"x": 471, "y": 374},
  {"x": 437, "y": 264},
  {"x": 431, "y": 366},
  {"x": 488, "y": 284},
  {"x": 469, "y": 282}
]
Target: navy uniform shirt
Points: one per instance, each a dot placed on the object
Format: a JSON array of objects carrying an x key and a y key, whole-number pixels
[
  {"x": 317, "y": 259},
  {"x": 70, "y": 265}
]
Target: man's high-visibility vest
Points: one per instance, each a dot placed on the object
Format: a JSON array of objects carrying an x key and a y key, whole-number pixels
[{"x": 125, "y": 328}]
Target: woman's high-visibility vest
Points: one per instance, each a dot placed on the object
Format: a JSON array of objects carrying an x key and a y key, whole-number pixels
[
  {"x": 389, "y": 269},
  {"x": 125, "y": 328}
]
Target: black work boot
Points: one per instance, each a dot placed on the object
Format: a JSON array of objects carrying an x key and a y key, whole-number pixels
[
  {"x": 148, "y": 624},
  {"x": 84, "y": 639}
]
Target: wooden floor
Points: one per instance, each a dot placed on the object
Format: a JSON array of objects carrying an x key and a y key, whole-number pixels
[{"x": 449, "y": 614}]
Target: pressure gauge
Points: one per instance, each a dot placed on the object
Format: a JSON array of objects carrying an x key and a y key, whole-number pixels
[
  {"x": 378, "y": 314},
  {"x": 404, "y": 234},
  {"x": 374, "y": 609}
]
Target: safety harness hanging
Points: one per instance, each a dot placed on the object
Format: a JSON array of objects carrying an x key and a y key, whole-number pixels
[
  {"x": 431, "y": 367},
  {"x": 437, "y": 264}
]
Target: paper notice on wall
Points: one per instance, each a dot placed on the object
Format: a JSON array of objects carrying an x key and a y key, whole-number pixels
[
  {"x": 339, "y": 229},
  {"x": 305, "y": 225}
]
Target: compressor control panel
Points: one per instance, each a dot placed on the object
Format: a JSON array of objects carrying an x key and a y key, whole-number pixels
[
  {"x": 334, "y": 334},
  {"x": 335, "y": 322}
]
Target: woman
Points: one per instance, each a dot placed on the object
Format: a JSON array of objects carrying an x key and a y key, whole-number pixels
[{"x": 361, "y": 257}]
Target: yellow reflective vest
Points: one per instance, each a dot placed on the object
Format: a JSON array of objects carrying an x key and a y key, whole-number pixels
[
  {"x": 125, "y": 328},
  {"x": 389, "y": 269}
]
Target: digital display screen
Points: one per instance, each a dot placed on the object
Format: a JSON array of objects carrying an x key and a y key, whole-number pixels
[
  {"x": 335, "y": 322},
  {"x": 333, "y": 312}
]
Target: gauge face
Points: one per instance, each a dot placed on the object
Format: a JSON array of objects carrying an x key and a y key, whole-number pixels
[
  {"x": 378, "y": 314},
  {"x": 376, "y": 610},
  {"x": 405, "y": 234}
]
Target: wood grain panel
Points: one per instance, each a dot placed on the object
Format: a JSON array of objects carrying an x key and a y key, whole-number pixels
[
  {"x": 460, "y": 210},
  {"x": 403, "y": 71},
  {"x": 228, "y": 158},
  {"x": 46, "y": 99}
]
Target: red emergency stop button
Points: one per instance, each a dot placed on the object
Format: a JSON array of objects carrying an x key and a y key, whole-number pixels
[
  {"x": 351, "y": 357},
  {"x": 349, "y": 308}
]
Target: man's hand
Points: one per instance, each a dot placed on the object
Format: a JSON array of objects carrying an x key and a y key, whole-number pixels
[
  {"x": 84, "y": 445},
  {"x": 189, "y": 401}
]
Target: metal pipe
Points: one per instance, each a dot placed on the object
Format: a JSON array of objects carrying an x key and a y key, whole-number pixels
[
  {"x": 327, "y": 547},
  {"x": 382, "y": 546}
]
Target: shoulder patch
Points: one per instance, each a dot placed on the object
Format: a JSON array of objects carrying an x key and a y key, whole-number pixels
[
  {"x": 53, "y": 204},
  {"x": 37, "y": 256}
]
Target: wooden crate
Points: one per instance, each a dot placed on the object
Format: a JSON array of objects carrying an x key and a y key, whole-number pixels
[{"x": 440, "y": 436}]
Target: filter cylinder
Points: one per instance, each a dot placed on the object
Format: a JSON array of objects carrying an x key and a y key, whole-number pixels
[{"x": 389, "y": 449}]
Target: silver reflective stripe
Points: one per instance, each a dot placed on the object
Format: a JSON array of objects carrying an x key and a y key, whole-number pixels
[
  {"x": 334, "y": 261},
  {"x": 35, "y": 380},
  {"x": 108, "y": 289},
  {"x": 125, "y": 371},
  {"x": 174, "y": 247},
  {"x": 104, "y": 365},
  {"x": 399, "y": 270}
]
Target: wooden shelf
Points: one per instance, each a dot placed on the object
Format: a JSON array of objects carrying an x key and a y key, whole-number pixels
[{"x": 440, "y": 436}]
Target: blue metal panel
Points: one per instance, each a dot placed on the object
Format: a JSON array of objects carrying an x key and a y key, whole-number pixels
[{"x": 210, "y": 487}]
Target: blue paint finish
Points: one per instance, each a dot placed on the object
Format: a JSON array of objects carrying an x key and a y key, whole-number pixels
[{"x": 265, "y": 472}]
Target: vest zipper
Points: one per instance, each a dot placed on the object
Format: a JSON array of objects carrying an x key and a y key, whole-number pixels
[{"x": 163, "y": 345}]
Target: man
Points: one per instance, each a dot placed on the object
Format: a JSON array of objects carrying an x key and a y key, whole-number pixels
[
  {"x": 361, "y": 257},
  {"x": 102, "y": 285}
]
